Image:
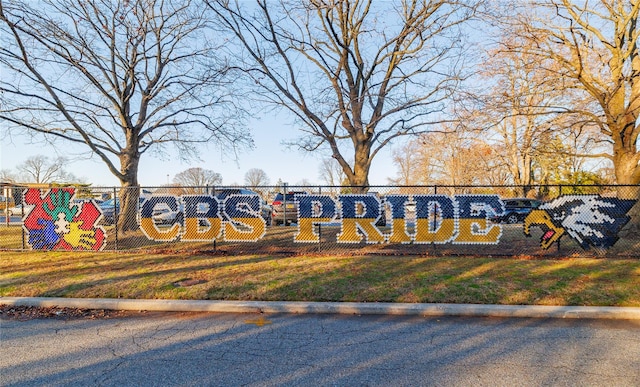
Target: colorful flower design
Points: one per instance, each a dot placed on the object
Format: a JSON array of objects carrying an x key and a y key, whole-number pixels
[{"x": 57, "y": 223}]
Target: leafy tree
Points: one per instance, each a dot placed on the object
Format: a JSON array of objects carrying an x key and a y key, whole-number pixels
[
  {"x": 118, "y": 79},
  {"x": 583, "y": 182}
]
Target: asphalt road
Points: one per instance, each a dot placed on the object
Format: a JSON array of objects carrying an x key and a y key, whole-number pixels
[{"x": 221, "y": 349}]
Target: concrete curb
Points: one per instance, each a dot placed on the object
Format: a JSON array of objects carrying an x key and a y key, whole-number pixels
[{"x": 382, "y": 308}]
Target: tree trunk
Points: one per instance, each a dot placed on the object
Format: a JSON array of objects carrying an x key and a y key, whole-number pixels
[
  {"x": 129, "y": 192},
  {"x": 359, "y": 179},
  {"x": 627, "y": 172},
  {"x": 626, "y": 167},
  {"x": 631, "y": 230}
]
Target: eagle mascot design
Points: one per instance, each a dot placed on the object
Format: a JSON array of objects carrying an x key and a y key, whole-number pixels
[{"x": 591, "y": 220}]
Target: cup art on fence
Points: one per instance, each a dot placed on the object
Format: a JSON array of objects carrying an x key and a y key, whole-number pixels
[
  {"x": 591, "y": 220},
  {"x": 58, "y": 223},
  {"x": 462, "y": 219},
  {"x": 439, "y": 219}
]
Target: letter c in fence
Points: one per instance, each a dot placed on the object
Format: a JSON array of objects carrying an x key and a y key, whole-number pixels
[{"x": 149, "y": 227}]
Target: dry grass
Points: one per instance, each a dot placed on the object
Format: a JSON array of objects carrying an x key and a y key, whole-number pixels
[{"x": 368, "y": 278}]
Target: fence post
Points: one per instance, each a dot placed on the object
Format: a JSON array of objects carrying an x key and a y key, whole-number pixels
[
  {"x": 434, "y": 247},
  {"x": 559, "y": 194},
  {"x": 115, "y": 216},
  {"x": 211, "y": 190},
  {"x": 319, "y": 225},
  {"x": 24, "y": 240},
  {"x": 284, "y": 204},
  {"x": 6, "y": 206}
]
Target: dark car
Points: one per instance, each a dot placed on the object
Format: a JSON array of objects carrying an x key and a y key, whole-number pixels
[
  {"x": 265, "y": 209},
  {"x": 285, "y": 208},
  {"x": 515, "y": 210},
  {"x": 110, "y": 207}
]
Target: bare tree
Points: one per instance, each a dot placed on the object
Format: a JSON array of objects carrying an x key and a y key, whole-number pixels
[
  {"x": 41, "y": 170},
  {"x": 594, "y": 48},
  {"x": 197, "y": 180},
  {"x": 117, "y": 79},
  {"x": 354, "y": 74},
  {"x": 6, "y": 176},
  {"x": 304, "y": 182},
  {"x": 331, "y": 174},
  {"x": 255, "y": 178},
  {"x": 407, "y": 160}
]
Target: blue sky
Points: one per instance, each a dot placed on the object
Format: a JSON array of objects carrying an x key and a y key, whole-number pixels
[{"x": 269, "y": 154}]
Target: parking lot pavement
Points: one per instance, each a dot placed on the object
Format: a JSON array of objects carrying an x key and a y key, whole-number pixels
[{"x": 186, "y": 348}]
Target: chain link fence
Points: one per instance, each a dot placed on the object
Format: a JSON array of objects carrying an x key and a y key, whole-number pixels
[{"x": 537, "y": 221}]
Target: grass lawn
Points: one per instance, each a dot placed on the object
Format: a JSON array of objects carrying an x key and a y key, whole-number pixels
[{"x": 165, "y": 274}]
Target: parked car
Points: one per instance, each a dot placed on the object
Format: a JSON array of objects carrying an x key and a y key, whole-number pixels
[
  {"x": 285, "y": 208},
  {"x": 108, "y": 208},
  {"x": 111, "y": 206},
  {"x": 515, "y": 210},
  {"x": 164, "y": 215},
  {"x": 265, "y": 209}
]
